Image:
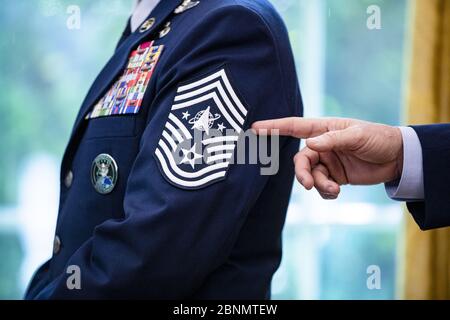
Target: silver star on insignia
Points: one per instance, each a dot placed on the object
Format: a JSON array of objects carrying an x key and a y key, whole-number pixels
[
  {"x": 221, "y": 127},
  {"x": 186, "y": 115},
  {"x": 190, "y": 156}
]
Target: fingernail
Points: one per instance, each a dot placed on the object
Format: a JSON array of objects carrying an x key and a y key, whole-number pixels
[{"x": 329, "y": 196}]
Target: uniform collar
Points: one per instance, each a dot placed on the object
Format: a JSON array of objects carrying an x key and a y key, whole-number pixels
[
  {"x": 118, "y": 61},
  {"x": 142, "y": 9}
]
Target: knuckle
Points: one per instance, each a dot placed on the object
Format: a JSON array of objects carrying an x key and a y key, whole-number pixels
[
  {"x": 359, "y": 134},
  {"x": 332, "y": 136},
  {"x": 293, "y": 127}
]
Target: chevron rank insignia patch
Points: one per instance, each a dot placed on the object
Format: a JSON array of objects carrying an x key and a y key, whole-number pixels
[{"x": 201, "y": 133}]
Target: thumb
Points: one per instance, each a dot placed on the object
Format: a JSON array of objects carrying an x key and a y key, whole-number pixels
[{"x": 336, "y": 140}]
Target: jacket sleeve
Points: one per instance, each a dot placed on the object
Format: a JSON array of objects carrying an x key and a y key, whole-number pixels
[
  {"x": 434, "y": 211},
  {"x": 171, "y": 238}
]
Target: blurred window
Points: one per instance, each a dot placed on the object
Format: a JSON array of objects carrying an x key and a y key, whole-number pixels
[
  {"x": 52, "y": 50},
  {"x": 350, "y": 58}
]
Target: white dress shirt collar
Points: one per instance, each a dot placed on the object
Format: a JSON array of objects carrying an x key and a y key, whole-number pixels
[{"x": 141, "y": 11}]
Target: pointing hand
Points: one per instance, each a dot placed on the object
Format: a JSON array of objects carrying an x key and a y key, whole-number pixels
[{"x": 341, "y": 151}]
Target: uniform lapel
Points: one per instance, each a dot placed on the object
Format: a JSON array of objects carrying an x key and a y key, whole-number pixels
[
  {"x": 126, "y": 33},
  {"x": 118, "y": 61}
]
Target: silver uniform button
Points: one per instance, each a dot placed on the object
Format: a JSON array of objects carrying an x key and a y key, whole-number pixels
[
  {"x": 68, "y": 179},
  {"x": 56, "y": 245}
]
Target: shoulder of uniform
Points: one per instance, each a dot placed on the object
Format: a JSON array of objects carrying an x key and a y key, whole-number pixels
[{"x": 260, "y": 11}]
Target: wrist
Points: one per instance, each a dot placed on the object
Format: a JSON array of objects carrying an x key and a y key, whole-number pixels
[{"x": 400, "y": 155}]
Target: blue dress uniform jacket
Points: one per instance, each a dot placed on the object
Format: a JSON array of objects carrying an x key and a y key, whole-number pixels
[
  {"x": 434, "y": 211},
  {"x": 168, "y": 229}
]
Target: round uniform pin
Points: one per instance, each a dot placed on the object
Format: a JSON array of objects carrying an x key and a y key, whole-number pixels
[
  {"x": 164, "y": 32},
  {"x": 104, "y": 173},
  {"x": 147, "y": 25},
  {"x": 186, "y": 5}
]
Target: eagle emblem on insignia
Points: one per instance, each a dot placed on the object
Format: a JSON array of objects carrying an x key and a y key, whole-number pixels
[
  {"x": 104, "y": 173},
  {"x": 201, "y": 133},
  {"x": 204, "y": 120}
]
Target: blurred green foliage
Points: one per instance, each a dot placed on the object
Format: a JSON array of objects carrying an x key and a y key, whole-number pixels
[
  {"x": 363, "y": 78},
  {"x": 11, "y": 255},
  {"x": 46, "y": 69},
  {"x": 365, "y": 68}
]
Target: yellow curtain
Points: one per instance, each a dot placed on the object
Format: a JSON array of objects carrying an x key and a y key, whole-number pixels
[{"x": 427, "y": 254}]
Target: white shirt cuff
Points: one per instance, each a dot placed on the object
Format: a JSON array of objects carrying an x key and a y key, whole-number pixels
[{"x": 410, "y": 186}]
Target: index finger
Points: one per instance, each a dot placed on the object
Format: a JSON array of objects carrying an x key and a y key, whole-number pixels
[{"x": 295, "y": 127}]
